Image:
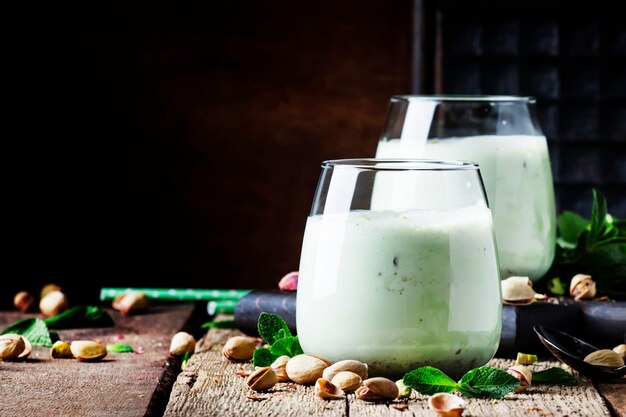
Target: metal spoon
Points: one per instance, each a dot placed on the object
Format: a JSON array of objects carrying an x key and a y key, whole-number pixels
[{"x": 571, "y": 350}]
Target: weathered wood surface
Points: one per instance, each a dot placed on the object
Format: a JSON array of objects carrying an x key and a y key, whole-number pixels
[
  {"x": 209, "y": 386},
  {"x": 120, "y": 385}
]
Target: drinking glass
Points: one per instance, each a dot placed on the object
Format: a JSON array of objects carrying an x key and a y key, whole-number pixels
[
  {"x": 502, "y": 135},
  {"x": 399, "y": 267}
]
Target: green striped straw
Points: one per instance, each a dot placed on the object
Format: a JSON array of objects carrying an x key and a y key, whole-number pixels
[
  {"x": 221, "y": 306},
  {"x": 178, "y": 294}
]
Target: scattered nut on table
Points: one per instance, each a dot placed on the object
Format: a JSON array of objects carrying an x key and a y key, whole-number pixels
[
  {"x": 53, "y": 303},
  {"x": 582, "y": 286},
  {"x": 377, "y": 389},
  {"x": 131, "y": 301},
  {"x": 347, "y": 381},
  {"x": 403, "y": 390},
  {"x": 61, "y": 350},
  {"x": 262, "y": 379},
  {"x": 87, "y": 350},
  {"x": 306, "y": 369},
  {"x": 182, "y": 343},
  {"x": 23, "y": 301},
  {"x": 327, "y": 390},
  {"x": 621, "y": 350},
  {"x": 523, "y": 374},
  {"x": 47, "y": 289},
  {"x": 11, "y": 346},
  {"x": 239, "y": 348},
  {"x": 446, "y": 405},
  {"x": 518, "y": 291},
  {"x": 350, "y": 365},
  {"x": 280, "y": 367}
]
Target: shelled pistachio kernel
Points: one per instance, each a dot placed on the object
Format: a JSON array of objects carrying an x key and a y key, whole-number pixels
[
  {"x": 87, "y": 350},
  {"x": 526, "y": 358},
  {"x": 403, "y": 390},
  {"x": 61, "y": 350}
]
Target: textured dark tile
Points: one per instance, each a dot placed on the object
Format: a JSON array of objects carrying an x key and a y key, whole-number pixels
[
  {"x": 613, "y": 123},
  {"x": 580, "y": 81},
  {"x": 581, "y": 122},
  {"x": 539, "y": 38},
  {"x": 581, "y": 37},
  {"x": 614, "y": 39},
  {"x": 500, "y": 78},
  {"x": 461, "y": 36},
  {"x": 540, "y": 80},
  {"x": 577, "y": 199},
  {"x": 461, "y": 77},
  {"x": 616, "y": 202},
  {"x": 615, "y": 165},
  {"x": 614, "y": 81},
  {"x": 581, "y": 163},
  {"x": 548, "y": 115},
  {"x": 501, "y": 38}
]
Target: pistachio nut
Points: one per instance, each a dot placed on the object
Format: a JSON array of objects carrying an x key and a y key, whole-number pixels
[
  {"x": 403, "y": 390},
  {"x": 262, "y": 379},
  {"x": 131, "y": 301},
  {"x": 23, "y": 301},
  {"x": 351, "y": 365},
  {"x": 11, "y": 346},
  {"x": 582, "y": 286},
  {"x": 280, "y": 367},
  {"x": 28, "y": 348},
  {"x": 306, "y": 369},
  {"x": 327, "y": 390},
  {"x": 377, "y": 389},
  {"x": 347, "y": 381},
  {"x": 53, "y": 303},
  {"x": 446, "y": 405},
  {"x": 518, "y": 291},
  {"x": 522, "y": 373},
  {"x": 87, "y": 350},
  {"x": 182, "y": 343},
  {"x": 526, "y": 358},
  {"x": 47, "y": 289},
  {"x": 289, "y": 282},
  {"x": 239, "y": 348},
  {"x": 61, "y": 350},
  {"x": 605, "y": 358},
  {"x": 621, "y": 350}
]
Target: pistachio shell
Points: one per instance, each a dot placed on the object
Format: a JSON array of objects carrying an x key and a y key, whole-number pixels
[
  {"x": 280, "y": 367},
  {"x": 61, "y": 350},
  {"x": 350, "y": 365},
  {"x": 53, "y": 304},
  {"x": 306, "y": 369},
  {"x": 522, "y": 373},
  {"x": 446, "y": 405},
  {"x": 47, "y": 289},
  {"x": 182, "y": 343},
  {"x": 87, "y": 350},
  {"x": 131, "y": 301},
  {"x": 377, "y": 389},
  {"x": 605, "y": 358},
  {"x": 262, "y": 379},
  {"x": 347, "y": 381},
  {"x": 23, "y": 301},
  {"x": 582, "y": 286},
  {"x": 28, "y": 348},
  {"x": 11, "y": 346},
  {"x": 517, "y": 290},
  {"x": 621, "y": 350},
  {"x": 239, "y": 348},
  {"x": 327, "y": 390}
]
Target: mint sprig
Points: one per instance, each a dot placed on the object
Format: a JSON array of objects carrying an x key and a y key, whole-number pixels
[
  {"x": 273, "y": 329},
  {"x": 35, "y": 330},
  {"x": 594, "y": 246},
  {"x": 556, "y": 376},
  {"x": 480, "y": 382}
]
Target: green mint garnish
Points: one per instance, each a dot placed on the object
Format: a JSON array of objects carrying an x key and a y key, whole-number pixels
[
  {"x": 289, "y": 346},
  {"x": 80, "y": 317},
  {"x": 272, "y": 327},
  {"x": 263, "y": 357},
  {"x": 35, "y": 330},
  {"x": 428, "y": 380},
  {"x": 119, "y": 348},
  {"x": 276, "y": 333},
  {"x": 220, "y": 324},
  {"x": 556, "y": 376}
]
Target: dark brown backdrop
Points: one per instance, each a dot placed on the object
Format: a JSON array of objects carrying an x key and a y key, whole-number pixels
[{"x": 180, "y": 145}]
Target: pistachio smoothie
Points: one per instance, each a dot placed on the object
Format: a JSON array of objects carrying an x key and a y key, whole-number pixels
[
  {"x": 399, "y": 290},
  {"x": 518, "y": 179}
]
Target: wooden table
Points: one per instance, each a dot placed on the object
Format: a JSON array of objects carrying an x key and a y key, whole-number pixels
[{"x": 139, "y": 384}]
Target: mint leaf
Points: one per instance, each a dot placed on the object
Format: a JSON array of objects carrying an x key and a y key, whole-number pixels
[
  {"x": 220, "y": 324},
  {"x": 556, "y": 286},
  {"x": 289, "y": 346},
  {"x": 80, "y": 317},
  {"x": 571, "y": 225},
  {"x": 598, "y": 217},
  {"x": 557, "y": 376},
  {"x": 119, "y": 348},
  {"x": 263, "y": 357},
  {"x": 35, "y": 330},
  {"x": 487, "y": 382},
  {"x": 270, "y": 326},
  {"x": 428, "y": 380}
]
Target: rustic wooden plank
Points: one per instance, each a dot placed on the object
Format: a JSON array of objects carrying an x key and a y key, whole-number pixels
[
  {"x": 121, "y": 385},
  {"x": 210, "y": 387},
  {"x": 614, "y": 393}
]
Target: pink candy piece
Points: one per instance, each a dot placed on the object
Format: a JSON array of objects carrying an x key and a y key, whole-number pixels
[{"x": 289, "y": 282}]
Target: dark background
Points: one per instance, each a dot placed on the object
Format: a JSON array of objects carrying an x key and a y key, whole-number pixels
[{"x": 179, "y": 144}]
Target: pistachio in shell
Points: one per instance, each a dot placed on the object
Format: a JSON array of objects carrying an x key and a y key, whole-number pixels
[
  {"x": 23, "y": 301},
  {"x": 350, "y": 365},
  {"x": 582, "y": 286},
  {"x": 605, "y": 358},
  {"x": 621, "y": 350},
  {"x": 53, "y": 303},
  {"x": 11, "y": 346},
  {"x": 130, "y": 301},
  {"x": 327, "y": 390},
  {"x": 280, "y": 367},
  {"x": 61, "y": 350},
  {"x": 306, "y": 369},
  {"x": 523, "y": 374},
  {"x": 377, "y": 389},
  {"x": 347, "y": 381},
  {"x": 262, "y": 379},
  {"x": 87, "y": 350},
  {"x": 239, "y": 348},
  {"x": 182, "y": 343},
  {"x": 446, "y": 405},
  {"x": 518, "y": 291}
]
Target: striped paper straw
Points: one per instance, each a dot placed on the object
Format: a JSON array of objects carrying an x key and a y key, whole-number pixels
[
  {"x": 179, "y": 294},
  {"x": 221, "y": 306}
]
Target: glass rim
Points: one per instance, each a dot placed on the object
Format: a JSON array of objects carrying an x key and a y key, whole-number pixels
[
  {"x": 466, "y": 98},
  {"x": 401, "y": 164}
]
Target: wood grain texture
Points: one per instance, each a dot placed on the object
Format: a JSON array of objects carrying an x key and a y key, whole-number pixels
[
  {"x": 120, "y": 385},
  {"x": 210, "y": 387}
]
